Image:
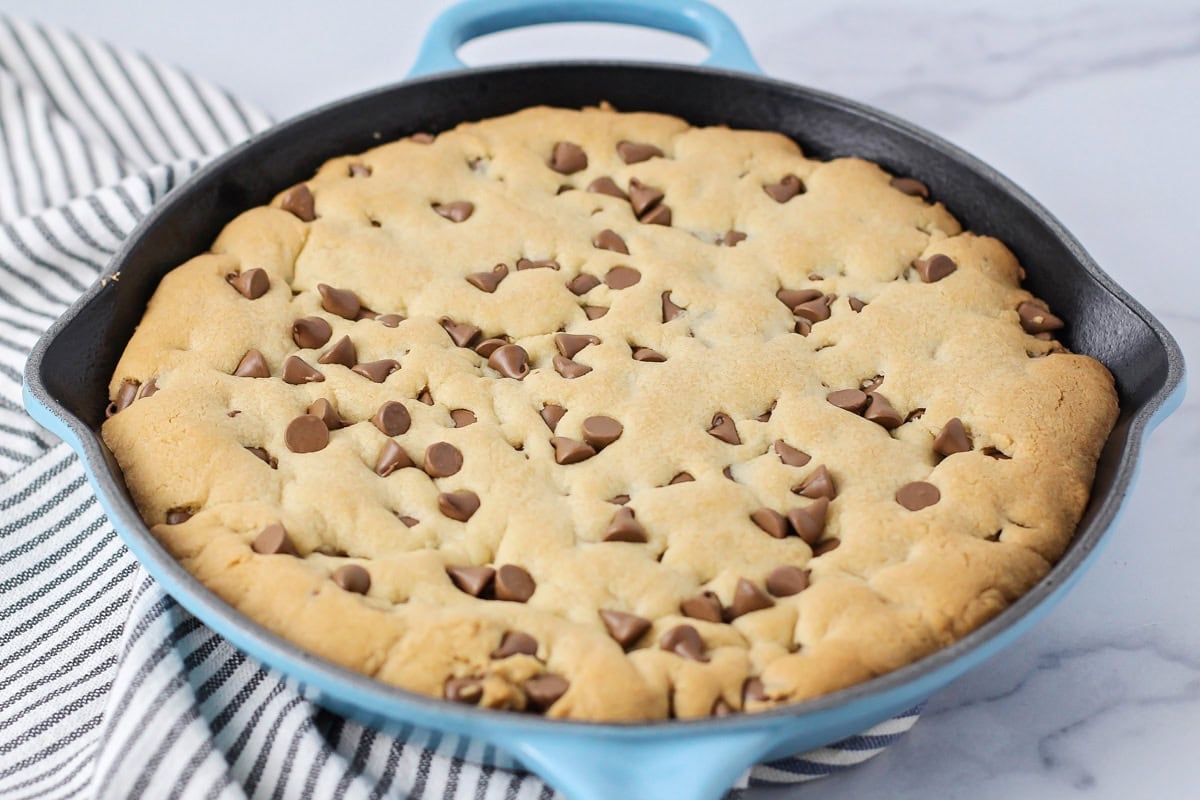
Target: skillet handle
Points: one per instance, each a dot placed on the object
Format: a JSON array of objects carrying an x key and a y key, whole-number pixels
[{"x": 474, "y": 18}]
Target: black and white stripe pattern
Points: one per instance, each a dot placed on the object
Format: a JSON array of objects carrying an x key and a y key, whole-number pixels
[{"x": 108, "y": 688}]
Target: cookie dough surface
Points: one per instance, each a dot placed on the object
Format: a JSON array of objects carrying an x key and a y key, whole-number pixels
[{"x": 502, "y": 547}]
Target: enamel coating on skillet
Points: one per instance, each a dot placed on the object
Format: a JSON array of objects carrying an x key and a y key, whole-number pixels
[{"x": 67, "y": 375}]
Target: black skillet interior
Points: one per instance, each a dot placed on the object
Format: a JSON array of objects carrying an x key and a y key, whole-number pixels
[{"x": 1102, "y": 320}]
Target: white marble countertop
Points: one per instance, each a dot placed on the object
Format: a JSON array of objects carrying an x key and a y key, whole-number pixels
[{"x": 1092, "y": 107}]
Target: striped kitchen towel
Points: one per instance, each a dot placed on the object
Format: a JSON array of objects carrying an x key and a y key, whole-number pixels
[{"x": 108, "y": 688}]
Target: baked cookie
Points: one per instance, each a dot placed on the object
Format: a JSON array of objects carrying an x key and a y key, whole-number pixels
[{"x": 607, "y": 417}]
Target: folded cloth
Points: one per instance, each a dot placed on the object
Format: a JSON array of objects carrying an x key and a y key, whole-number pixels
[{"x": 108, "y": 688}]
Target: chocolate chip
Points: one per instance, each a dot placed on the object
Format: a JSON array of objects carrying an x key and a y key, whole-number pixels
[
  {"x": 911, "y": 186},
  {"x": 659, "y": 215},
  {"x": 728, "y": 472},
  {"x": 261, "y": 454},
  {"x": 458, "y": 211},
  {"x": 422, "y": 137},
  {"x": 178, "y": 516},
  {"x": 809, "y": 522},
  {"x": 827, "y": 546},
  {"x": 392, "y": 418},
  {"x": 594, "y": 312},
  {"x": 568, "y": 158},
  {"x": 608, "y": 186},
  {"x": 852, "y": 400},
  {"x": 670, "y": 311},
  {"x": 543, "y": 691},
  {"x": 516, "y": 643},
  {"x": 771, "y": 521},
  {"x": 359, "y": 171},
  {"x": 570, "y": 451},
  {"x": 425, "y": 397},
  {"x": 297, "y": 371},
  {"x": 514, "y": 583},
  {"x": 952, "y": 439},
  {"x": 637, "y": 152},
  {"x": 582, "y": 283},
  {"x": 391, "y": 458},
  {"x": 817, "y": 484},
  {"x": 1036, "y": 320},
  {"x": 720, "y": 708},
  {"x": 642, "y": 197},
  {"x": 311, "y": 332},
  {"x": 788, "y": 187},
  {"x": 407, "y": 520},
  {"x": 856, "y": 305},
  {"x": 814, "y": 310},
  {"x": 790, "y": 455},
  {"x": 273, "y": 540},
  {"x": 571, "y": 343},
  {"x": 724, "y": 429},
  {"x": 871, "y": 384},
  {"x": 766, "y": 415},
  {"x": 935, "y": 268},
  {"x": 705, "y": 606},
  {"x": 622, "y": 277},
  {"x": 343, "y": 352},
  {"x": 324, "y": 409},
  {"x": 619, "y": 500},
  {"x": 251, "y": 283},
  {"x": 753, "y": 691},
  {"x": 797, "y": 297},
  {"x": 127, "y": 392},
  {"x": 600, "y": 431},
  {"x": 568, "y": 368},
  {"x": 306, "y": 434},
  {"x": 917, "y": 495},
  {"x": 609, "y": 240},
  {"x": 461, "y": 333},
  {"x": 489, "y": 346},
  {"x": 787, "y": 580},
  {"x": 916, "y": 413},
  {"x": 299, "y": 201},
  {"x": 442, "y": 460},
  {"x": 459, "y": 506},
  {"x": 488, "y": 281},
  {"x": 684, "y": 641},
  {"x": 996, "y": 453},
  {"x": 682, "y": 477},
  {"x": 462, "y": 417},
  {"x": 648, "y": 355},
  {"x": 149, "y": 389},
  {"x": 472, "y": 580},
  {"x": 624, "y": 528},
  {"x": 541, "y": 263},
  {"x": 803, "y": 327},
  {"x": 463, "y": 690},
  {"x": 625, "y": 628},
  {"x": 747, "y": 598},
  {"x": 880, "y": 411},
  {"x": 389, "y": 320},
  {"x": 342, "y": 302},
  {"x": 376, "y": 371},
  {"x": 732, "y": 238},
  {"x": 252, "y": 365},
  {"x": 352, "y": 578},
  {"x": 511, "y": 361},
  {"x": 551, "y": 414}
]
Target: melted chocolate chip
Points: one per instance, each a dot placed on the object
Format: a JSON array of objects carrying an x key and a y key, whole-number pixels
[
  {"x": 488, "y": 281},
  {"x": 392, "y": 418},
  {"x": 511, "y": 361},
  {"x": 788, "y": 187},
  {"x": 376, "y": 371},
  {"x": 911, "y": 186},
  {"x": 251, "y": 283},
  {"x": 625, "y": 628},
  {"x": 343, "y": 352},
  {"x": 670, "y": 311},
  {"x": 570, "y": 451},
  {"x": 600, "y": 432},
  {"x": 391, "y": 458},
  {"x": 934, "y": 268},
  {"x": 1037, "y": 320},
  {"x": 458, "y": 211},
  {"x": 273, "y": 540},
  {"x": 568, "y": 368},
  {"x": 540, "y": 263},
  {"x": 306, "y": 434},
  {"x": 637, "y": 152},
  {"x": 582, "y": 283},
  {"x": 311, "y": 332},
  {"x": 787, "y": 581},
  {"x": 568, "y": 158},
  {"x": 352, "y": 578},
  {"x": 724, "y": 429},
  {"x": 609, "y": 240},
  {"x": 475, "y": 581},
  {"x": 771, "y": 521},
  {"x": 625, "y": 528},
  {"x": 685, "y": 642},
  {"x": 817, "y": 484},
  {"x": 852, "y": 400},
  {"x": 809, "y": 522},
  {"x": 297, "y": 371},
  {"x": 514, "y": 584},
  {"x": 705, "y": 606},
  {"x": 551, "y": 414},
  {"x": 515, "y": 643},
  {"x": 342, "y": 302},
  {"x": 571, "y": 343},
  {"x": 459, "y": 506},
  {"x": 952, "y": 439},
  {"x": 622, "y": 277},
  {"x": 252, "y": 365},
  {"x": 917, "y": 495},
  {"x": 790, "y": 455},
  {"x": 298, "y": 200},
  {"x": 442, "y": 460}
]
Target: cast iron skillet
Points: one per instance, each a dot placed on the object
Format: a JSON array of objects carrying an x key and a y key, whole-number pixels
[{"x": 67, "y": 374}]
